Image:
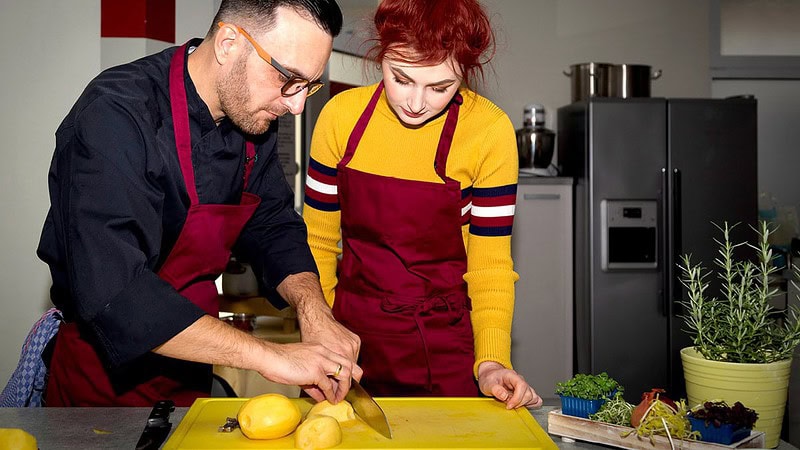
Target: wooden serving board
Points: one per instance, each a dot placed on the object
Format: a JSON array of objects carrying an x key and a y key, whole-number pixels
[
  {"x": 417, "y": 423},
  {"x": 581, "y": 429}
]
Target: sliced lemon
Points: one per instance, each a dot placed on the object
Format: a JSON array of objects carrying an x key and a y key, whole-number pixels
[
  {"x": 342, "y": 411},
  {"x": 318, "y": 432}
]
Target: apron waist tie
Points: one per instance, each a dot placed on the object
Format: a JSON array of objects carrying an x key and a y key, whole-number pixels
[{"x": 455, "y": 311}]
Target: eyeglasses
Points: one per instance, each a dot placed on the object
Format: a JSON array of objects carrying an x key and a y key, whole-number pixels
[{"x": 294, "y": 84}]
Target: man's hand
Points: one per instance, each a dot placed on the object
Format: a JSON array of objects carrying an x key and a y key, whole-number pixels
[
  {"x": 322, "y": 373},
  {"x": 318, "y": 325},
  {"x": 507, "y": 386},
  {"x": 316, "y": 319}
]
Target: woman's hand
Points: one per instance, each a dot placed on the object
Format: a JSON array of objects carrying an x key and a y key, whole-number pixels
[{"x": 507, "y": 386}]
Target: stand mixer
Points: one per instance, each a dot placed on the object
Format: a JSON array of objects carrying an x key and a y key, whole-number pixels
[{"x": 535, "y": 143}]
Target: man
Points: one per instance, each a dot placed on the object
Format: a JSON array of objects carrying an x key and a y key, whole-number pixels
[{"x": 162, "y": 167}]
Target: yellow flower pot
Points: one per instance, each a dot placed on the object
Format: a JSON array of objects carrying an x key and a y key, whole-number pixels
[{"x": 762, "y": 387}]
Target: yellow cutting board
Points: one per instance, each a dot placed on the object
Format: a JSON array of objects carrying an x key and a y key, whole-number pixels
[{"x": 417, "y": 423}]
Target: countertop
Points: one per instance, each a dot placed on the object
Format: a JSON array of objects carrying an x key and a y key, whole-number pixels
[{"x": 119, "y": 428}]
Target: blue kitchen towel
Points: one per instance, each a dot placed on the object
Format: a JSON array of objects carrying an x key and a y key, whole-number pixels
[{"x": 26, "y": 385}]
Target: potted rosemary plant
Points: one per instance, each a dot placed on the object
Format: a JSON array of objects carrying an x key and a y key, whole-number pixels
[{"x": 739, "y": 332}]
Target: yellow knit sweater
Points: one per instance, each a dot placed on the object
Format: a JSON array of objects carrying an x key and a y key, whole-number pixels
[{"x": 483, "y": 158}]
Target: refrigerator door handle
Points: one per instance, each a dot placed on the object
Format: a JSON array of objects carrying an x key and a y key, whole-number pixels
[
  {"x": 676, "y": 245},
  {"x": 665, "y": 242},
  {"x": 671, "y": 201}
]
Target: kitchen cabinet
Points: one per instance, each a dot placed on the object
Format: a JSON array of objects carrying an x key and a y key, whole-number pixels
[{"x": 541, "y": 246}]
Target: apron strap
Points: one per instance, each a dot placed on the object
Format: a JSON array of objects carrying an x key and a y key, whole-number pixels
[
  {"x": 180, "y": 121},
  {"x": 361, "y": 125},
  {"x": 446, "y": 138},
  {"x": 183, "y": 136}
]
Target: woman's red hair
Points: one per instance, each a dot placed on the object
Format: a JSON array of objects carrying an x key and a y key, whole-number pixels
[{"x": 430, "y": 31}]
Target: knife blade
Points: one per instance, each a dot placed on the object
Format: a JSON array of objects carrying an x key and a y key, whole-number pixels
[
  {"x": 366, "y": 408},
  {"x": 157, "y": 427}
]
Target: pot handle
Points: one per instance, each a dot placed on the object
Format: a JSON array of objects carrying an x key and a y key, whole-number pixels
[
  {"x": 569, "y": 74},
  {"x": 656, "y": 74}
]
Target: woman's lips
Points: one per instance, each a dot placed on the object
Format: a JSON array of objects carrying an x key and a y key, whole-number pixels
[{"x": 411, "y": 114}]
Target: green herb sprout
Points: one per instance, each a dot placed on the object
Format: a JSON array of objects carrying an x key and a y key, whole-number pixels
[
  {"x": 615, "y": 411},
  {"x": 588, "y": 387},
  {"x": 741, "y": 326}
]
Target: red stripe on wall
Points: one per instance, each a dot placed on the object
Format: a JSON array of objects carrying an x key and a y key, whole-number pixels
[
  {"x": 122, "y": 18},
  {"x": 161, "y": 20},
  {"x": 152, "y": 19}
]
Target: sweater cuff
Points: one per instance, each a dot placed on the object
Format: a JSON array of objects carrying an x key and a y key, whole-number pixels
[{"x": 492, "y": 344}]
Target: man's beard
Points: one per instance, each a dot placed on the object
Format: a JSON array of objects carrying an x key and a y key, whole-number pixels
[{"x": 234, "y": 92}]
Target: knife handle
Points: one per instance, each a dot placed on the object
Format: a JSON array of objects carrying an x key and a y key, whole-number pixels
[
  {"x": 159, "y": 415},
  {"x": 157, "y": 426}
]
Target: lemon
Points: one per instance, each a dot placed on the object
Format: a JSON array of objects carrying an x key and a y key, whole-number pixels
[
  {"x": 342, "y": 411},
  {"x": 16, "y": 439},
  {"x": 318, "y": 432},
  {"x": 268, "y": 416}
]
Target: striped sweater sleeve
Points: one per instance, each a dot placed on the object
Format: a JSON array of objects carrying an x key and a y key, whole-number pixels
[
  {"x": 490, "y": 273},
  {"x": 321, "y": 190},
  {"x": 321, "y": 208},
  {"x": 492, "y": 211}
]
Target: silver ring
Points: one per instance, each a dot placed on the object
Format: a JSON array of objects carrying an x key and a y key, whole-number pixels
[{"x": 338, "y": 371}]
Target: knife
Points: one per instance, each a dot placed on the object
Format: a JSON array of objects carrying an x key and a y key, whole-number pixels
[
  {"x": 366, "y": 408},
  {"x": 157, "y": 427}
]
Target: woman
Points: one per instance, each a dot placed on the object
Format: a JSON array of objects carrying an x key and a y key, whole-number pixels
[{"x": 417, "y": 177}]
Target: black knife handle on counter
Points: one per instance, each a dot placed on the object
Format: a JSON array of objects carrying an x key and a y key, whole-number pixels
[{"x": 157, "y": 427}]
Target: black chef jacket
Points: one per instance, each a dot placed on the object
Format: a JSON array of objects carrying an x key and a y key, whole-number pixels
[{"x": 118, "y": 203}]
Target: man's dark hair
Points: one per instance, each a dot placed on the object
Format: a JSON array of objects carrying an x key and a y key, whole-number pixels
[{"x": 259, "y": 15}]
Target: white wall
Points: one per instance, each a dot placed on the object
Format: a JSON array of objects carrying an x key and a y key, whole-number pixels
[
  {"x": 349, "y": 69},
  {"x": 540, "y": 39},
  {"x": 50, "y": 49},
  {"x": 778, "y": 135}
]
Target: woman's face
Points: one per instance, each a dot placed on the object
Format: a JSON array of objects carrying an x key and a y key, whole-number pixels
[{"x": 417, "y": 93}]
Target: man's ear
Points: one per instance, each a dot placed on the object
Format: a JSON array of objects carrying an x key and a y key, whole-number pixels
[{"x": 225, "y": 44}]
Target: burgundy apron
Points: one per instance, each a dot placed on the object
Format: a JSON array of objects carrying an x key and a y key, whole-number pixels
[
  {"x": 78, "y": 377},
  {"x": 401, "y": 286}
]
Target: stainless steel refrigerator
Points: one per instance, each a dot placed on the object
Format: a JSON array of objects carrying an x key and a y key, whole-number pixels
[{"x": 652, "y": 177}]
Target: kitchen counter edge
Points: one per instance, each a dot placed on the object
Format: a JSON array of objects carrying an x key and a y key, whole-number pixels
[{"x": 103, "y": 428}]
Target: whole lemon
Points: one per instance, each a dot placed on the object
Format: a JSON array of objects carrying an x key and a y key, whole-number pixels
[
  {"x": 268, "y": 416},
  {"x": 16, "y": 439}
]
